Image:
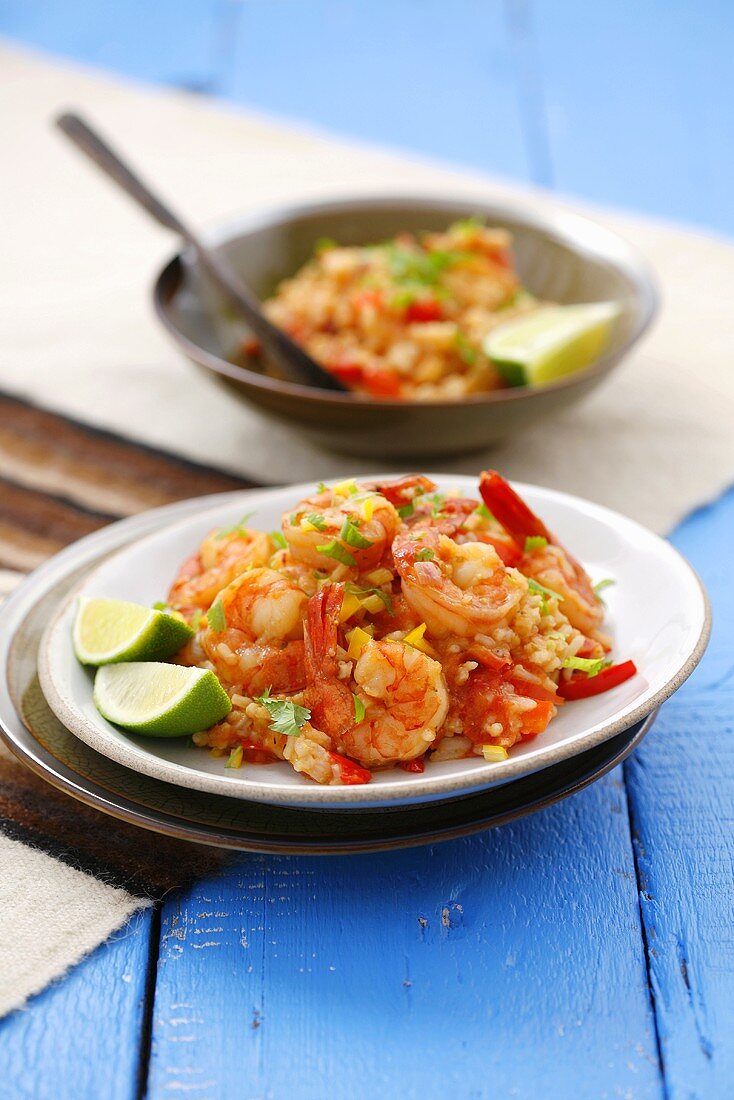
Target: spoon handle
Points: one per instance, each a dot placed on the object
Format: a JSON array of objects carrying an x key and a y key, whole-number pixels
[{"x": 293, "y": 360}]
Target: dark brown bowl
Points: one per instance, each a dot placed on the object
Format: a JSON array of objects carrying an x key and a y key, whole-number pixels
[{"x": 560, "y": 257}]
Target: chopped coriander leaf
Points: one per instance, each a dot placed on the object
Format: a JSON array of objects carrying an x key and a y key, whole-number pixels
[
  {"x": 484, "y": 511},
  {"x": 409, "y": 265},
  {"x": 357, "y": 590},
  {"x": 317, "y": 520},
  {"x": 406, "y": 510},
  {"x": 350, "y": 534},
  {"x": 535, "y": 542},
  {"x": 590, "y": 665},
  {"x": 467, "y": 351},
  {"x": 324, "y": 244},
  {"x": 335, "y": 550},
  {"x": 425, "y": 554},
  {"x": 358, "y": 709},
  {"x": 322, "y": 487},
  {"x": 216, "y": 617},
  {"x": 236, "y": 528},
  {"x": 279, "y": 539},
  {"x": 287, "y": 716}
]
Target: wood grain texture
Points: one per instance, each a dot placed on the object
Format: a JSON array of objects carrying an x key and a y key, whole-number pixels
[
  {"x": 681, "y": 790},
  {"x": 80, "y": 1038},
  {"x": 509, "y": 964}
]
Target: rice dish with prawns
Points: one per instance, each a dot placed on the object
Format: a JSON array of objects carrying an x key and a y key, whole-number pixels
[
  {"x": 407, "y": 318},
  {"x": 389, "y": 624}
]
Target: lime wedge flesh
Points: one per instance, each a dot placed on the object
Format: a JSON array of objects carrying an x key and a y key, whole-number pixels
[
  {"x": 552, "y": 342},
  {"x": 160, "y": 700},
  {"x": 107, "y": 631}
]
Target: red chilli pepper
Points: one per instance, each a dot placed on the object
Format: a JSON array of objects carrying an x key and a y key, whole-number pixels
[
  {"x": 350, "y": 773},
  {"x": 423, "y": 309},
  {"x": 583, "y": 686}
]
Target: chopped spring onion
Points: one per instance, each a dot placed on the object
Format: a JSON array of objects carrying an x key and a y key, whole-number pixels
[
  {"x": 483, "y": 511},
  {"x": 235, "y": 758},
  {"x": 359, "y": 709},
  {"x": 287, "y": 716},
  {"x": 406, "y": 510},
  {"x": 606, "y": 582},
  {"x": 350, "y": 534},
  {"x": 238, "y": 528},
  {"x": 467, "y": 351},
  {"x": 314, "y": 521},
  {"x": 535, "y": 542},
  {"x": 356, "y": 590},
  {"x": 322, "y": 487},
  {"x": 425, "y": 554},
  {"x": 494, "y": 753},
  {"x": 335, "y": 550},
  {"x": 216, "y": 617},
  {"x": 279, "y": 539},
  {"x": 590, "y": 665}
]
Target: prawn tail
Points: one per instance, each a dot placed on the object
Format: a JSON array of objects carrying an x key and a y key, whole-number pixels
[{"x": 510, "y": 509}]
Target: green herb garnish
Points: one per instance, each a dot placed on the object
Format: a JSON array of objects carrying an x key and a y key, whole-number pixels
[
  {"x": 159, "y": 605},
  {"x": 317, "y": 520},
  {"x": 357, "y": 590},
  {"x": 406, "y": 510},
  {"x": 607, "y": 582},
  {"x": 425, "y": 554},
  {"x": 467, "y": 352},
  {"x": 287, "y": 716},
  {"x": 358, "y": 709},
  {"x": 279, "y": 539},
  {"x": 322, "y": 487},
  {"x": 484, "y": 512},
  {"x": 216, "y": 617},
  {"x": 335, "y": 550},
  {"x": 590, "y": 665},
  {"x": 195, "y": 619},
  {"x": 350, "y": 534},
  {"x": 324, "y": 244},
  {"x": 544, "y": 593},
  {"x": 236, "y": 528},
  {"x": 535, "y": 542}
]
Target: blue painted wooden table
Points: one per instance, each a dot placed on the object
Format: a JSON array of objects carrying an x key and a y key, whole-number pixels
[{"x": 587, "y": 951}]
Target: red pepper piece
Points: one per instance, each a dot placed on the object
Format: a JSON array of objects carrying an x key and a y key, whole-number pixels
[
  {"x": 351, "y": 773},
  {"x": 583, "y": 686},
  {"x": 424, "y": 309}
]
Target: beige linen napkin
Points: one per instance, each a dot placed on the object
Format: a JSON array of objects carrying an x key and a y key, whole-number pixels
[{"x": 655, "y": 441}]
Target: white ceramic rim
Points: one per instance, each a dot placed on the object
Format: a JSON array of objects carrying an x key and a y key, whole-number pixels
[{"x": 422, "y": 787}]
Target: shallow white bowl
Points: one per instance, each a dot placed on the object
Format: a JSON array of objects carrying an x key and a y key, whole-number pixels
[{"x": 657, "y": 612}]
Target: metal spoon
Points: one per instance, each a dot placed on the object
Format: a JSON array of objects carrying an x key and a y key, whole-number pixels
[{"x": 292, "y": 360}]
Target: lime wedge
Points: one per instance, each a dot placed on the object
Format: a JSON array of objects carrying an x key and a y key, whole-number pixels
[
  {"x": 158, "y": 699},
  {"x": 553, "y": 341},
  {"x": 113, "y": 630}
]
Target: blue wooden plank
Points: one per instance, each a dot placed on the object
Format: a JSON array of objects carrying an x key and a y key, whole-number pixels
[
  {"x": 638, "y": 100},
  {"x": 167, "y": 41},
  {"x": 505, "y": 964},
  {"x": 681, "y": 790},
  {"x": 80, "y": 1038},
  {"x": 436, "y": 78}
]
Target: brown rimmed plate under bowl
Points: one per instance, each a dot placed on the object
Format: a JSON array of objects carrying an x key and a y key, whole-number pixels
[
  {"x": 38, "y": 739},
  {"x": 560, "y": 257}
]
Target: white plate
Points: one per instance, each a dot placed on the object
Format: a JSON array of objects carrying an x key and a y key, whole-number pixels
[{"x": 657, "y": 613}]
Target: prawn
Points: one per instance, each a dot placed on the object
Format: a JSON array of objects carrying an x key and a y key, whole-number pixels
[
  {"x": 222, "y": 556},
  {"x": 260, "y": 644},
  {"x": 400, "y": 701},
  {"x": 459, "y": 589},
  {"x": 343, "y": 526},
  {"x": 547, "y": 562}
]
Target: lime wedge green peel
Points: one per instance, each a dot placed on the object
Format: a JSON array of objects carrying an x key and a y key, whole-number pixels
[
  {"x": 551, "y": 342},
  {"x": 160, "y": 700},
  {"x": 107, "y": 631}
]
